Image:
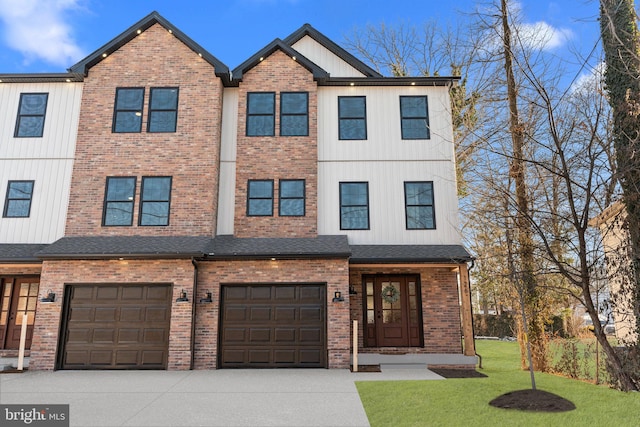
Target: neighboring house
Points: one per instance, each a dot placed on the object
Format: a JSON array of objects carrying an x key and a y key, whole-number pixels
[
  {"x": 246, "y": 218},
  {"x": 615, "y": 238}
]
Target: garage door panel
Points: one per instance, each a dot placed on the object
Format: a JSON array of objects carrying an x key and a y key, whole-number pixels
[
  {"x": 131, "y": 314},
  {"x": 132, "y": 293},
  {"x": 235, "y": 313},
  {"x": 103, "y": 336},
  {"x": 285, "y": 330},
  {"x": 81, "y": 315},
  {"x": 157, "y": 314},
  {"x": 310, "y": 314},
  {"x": 107, "y": 293},
  {"x": 105, "y": 314},
  {"x": 118, "y": 327},
  {"x": 285, "y": 335},
  {"x": 259, "y": 314},
  {"x": 285, "y": 292},
  {"x": 257, "y": 335},
  {"x": 285, "y": 314}
]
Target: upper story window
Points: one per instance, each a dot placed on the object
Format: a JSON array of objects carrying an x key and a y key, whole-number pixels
[
  {"x": 354, "y": 206},
  {"x": 163, "y": 110},
  {"x": 294, "y": 114},
  {"x": 17, "y": 203},
  {"x": 292, "y": 197},
  {"x": 31, "y": 113},
  {"x": 119, "y": 201},
  {"x": 155, "y": 199},
  {"x": 352, "y": 117},
  {"x": 418, "y": 198},
  {"x": 260, "y": 198},
  {"x": 414, "y": 114},
  {"x": 261, "y": 107},
  {"x": 127, "y": 114}
]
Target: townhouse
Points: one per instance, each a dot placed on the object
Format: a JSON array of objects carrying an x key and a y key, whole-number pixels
[{"x": 162, "y": 211}]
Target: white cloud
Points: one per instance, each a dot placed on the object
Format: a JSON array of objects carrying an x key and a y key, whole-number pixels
[
  {"x": 591, "y": 80},
  {"x": 39, "y": 30},
  {"x": 543, "y": 36}
]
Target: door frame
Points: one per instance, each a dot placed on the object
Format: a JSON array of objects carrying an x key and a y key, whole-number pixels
[
  {"x": 406, "y": 315},
  {"x": 13, "y": 301}
]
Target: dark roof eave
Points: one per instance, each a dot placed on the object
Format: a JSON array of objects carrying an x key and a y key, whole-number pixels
[
  {"x": 389, "y": 81},
  {"x": 277, "y": 256},
  {"x": 20, "y": 261},
  {"x": 318, "y": 73},
  {"x": 130, "y": 33},
  {"x": 409, "y": 260},
  {"x": 119, "y": 256},
  {"x": 307, "y": 29},
  {"x": 42, "y": 78}
]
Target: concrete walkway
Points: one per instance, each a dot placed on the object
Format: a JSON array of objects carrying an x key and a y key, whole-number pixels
[{"x": 248, "y": 397}]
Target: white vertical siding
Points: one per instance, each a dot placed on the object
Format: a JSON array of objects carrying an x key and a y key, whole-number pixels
[
  {"x": 384, "y": 139},
  {"x": 325, "y": 59},
  {"x": 386, "y": 201},
  {"x": 47, "y": 160},
  {"x": 386, "y": 161},
  {"x": 226, "y": 195}
]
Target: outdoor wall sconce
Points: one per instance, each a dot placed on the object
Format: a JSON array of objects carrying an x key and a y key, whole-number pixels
[
  {"x": 182, "y": 297},
  {"x": 207, "y": 299},
  {"x": 337, "y": 296},
  {"x": 352, "y": 290},
  {"x": 51, "y": 297}
]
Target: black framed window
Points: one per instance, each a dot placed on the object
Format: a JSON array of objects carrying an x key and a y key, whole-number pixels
[
  {"x": 420, "y": 213},
  {"x": 31, "y": 112},
  {"x": 260, "y": 198},
  {"x": 17, "y": 203},
  {"x": 118, "y": 201},
  {"x": 294, "y": 114},
  {"x": 414, "y": 114},
  {"x": 352, "y": 117},
  {"x": 155, "y": 200},
  {"x": 261, "y": 111},
  {"x": 354, "y": 206},
  {"x": 292, "y": 197},
  {"x": 163, "y": 109},
  {"x": 127, "y": 113}
]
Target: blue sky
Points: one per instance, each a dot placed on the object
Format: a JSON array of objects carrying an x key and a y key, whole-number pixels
[{"x": 51, "y": 35}]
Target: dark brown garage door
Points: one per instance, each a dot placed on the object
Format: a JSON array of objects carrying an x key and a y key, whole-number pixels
[
  {"x": 116, "y": 327},
  {"x": 273, "y": 326}
]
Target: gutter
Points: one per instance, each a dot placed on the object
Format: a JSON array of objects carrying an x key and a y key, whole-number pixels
[
  {"x": 193, "y": 311},
  {"x": 473, "y": 328}
]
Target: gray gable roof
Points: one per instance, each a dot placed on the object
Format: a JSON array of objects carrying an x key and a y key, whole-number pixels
[
  {"x": 277, "y": 44},
  {"x": 130, "y": 33},
  {"x": 311, "y": 247},
  {"x": 367, "y": 254},
  {"x": 308, "y": 30},
  {"x": 105, "y": 247},
  {"x": 20, "y": 252}
]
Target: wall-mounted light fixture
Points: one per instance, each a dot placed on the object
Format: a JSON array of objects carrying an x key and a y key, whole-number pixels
[
  {"x": 337, "y": 296},
  {"x": 182, "y": 297},
  {"x": 352, "y": 290},
  {"x": 207, "y": 299},
  {"x": 51, "y": 297}
]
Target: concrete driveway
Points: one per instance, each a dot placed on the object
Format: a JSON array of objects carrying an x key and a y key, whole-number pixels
[{"x": 255, "y": 397}]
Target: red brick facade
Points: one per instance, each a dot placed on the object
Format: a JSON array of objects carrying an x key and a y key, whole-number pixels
[
  {"x": 440, "y": 309},
  {"x": 154, "y": 58},
  {"x": 335, "y": 273},
  {"x": 57, "y": 274},
  {"x": 277, "y": 157}
]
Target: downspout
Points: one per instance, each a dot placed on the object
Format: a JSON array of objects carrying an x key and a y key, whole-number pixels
[
  {"x": 193, "y": 311},
  {"x": 473, "y": 328}
]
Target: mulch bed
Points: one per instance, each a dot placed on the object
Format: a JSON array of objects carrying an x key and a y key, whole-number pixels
[
  {"x": 367, "y": 368},
  {"x": 533, "y": 400},
  {"x": 12, "y": 371},
  {"x": 458, "y": 373}
]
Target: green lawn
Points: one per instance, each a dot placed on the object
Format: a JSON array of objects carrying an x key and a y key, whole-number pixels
[{"x": 465, "y": 402}]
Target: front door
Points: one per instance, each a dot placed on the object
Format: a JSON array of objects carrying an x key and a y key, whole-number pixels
[
  {"x": 18, "y": 295},
  {"x": 392, "y": 311}
]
